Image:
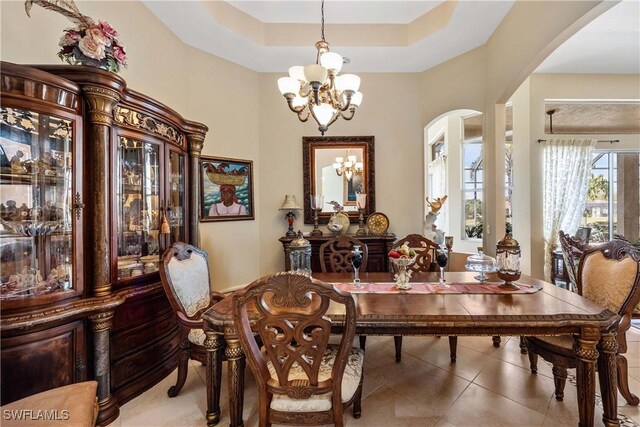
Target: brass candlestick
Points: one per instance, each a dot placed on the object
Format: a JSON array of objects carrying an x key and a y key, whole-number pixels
[{"x": 361, "y": 203}]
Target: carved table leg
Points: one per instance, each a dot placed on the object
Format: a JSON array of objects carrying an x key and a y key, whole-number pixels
[
  {"x": 236, "y": 363},
  {"x": 108, "y": 407},
  {"x": 586, "y": 354},
  {"x": 214, "y": 344},
  {"x": 608, "y": 376}
]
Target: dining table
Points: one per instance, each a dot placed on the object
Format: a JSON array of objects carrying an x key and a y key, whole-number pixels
[{"x": 467, "y": 307}]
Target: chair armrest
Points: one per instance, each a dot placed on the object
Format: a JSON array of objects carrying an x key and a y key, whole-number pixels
[{"x": 189, "y": 323}]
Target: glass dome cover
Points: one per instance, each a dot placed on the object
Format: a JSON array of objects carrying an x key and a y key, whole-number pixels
[{"x": 481, "y": 263}]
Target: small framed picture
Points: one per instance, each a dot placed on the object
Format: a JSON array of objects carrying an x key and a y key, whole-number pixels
[{"x": 226, "y": 189}]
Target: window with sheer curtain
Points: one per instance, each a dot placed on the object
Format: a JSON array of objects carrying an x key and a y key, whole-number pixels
[{"x": 567, "y": 166}]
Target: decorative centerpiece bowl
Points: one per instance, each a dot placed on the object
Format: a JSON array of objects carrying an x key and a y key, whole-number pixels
[{"x": 402, "y": 258}]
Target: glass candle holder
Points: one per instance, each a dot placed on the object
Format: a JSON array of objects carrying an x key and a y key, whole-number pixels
[{"x": 316, "y": 205}]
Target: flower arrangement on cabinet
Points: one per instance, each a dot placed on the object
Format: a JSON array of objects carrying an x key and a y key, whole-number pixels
[
  {"x": 96, "y": 45},
  {"x": 88, "y": 43}
]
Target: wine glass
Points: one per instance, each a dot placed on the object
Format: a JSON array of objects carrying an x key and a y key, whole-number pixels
[
  {"x": 441, "y": 260},
  {"x": 356, "y": 261}
]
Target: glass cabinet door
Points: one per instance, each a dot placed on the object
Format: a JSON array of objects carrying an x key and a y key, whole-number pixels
[
  {"x": 138, "y": 207},
  {"x": 176, "y": 201},
  {"x": 36, "y": 200}
]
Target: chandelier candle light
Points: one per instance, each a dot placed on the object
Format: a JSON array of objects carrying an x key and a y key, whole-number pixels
[{"x": 317, "y": 89}]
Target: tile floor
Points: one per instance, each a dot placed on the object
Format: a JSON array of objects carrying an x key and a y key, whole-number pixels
[{"x": 486, "y": 387}]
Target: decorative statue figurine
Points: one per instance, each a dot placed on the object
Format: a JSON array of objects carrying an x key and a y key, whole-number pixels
[
  {"x": 16, "y": 163},
  {"x": 429, "y": 230}
]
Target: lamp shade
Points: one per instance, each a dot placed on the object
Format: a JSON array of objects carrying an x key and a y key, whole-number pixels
[
  {"x": 288, "y": 85},
  {"x": 297, "y": 72},
  {"x": 324, "y": 112},
  {"x": 356, "y": 99},
  {"x": 315, "y": 73},
  {"x": 290, "y": 203},
  {"x": 331, "y": 61},
  {"x": 348, "y": 82}
]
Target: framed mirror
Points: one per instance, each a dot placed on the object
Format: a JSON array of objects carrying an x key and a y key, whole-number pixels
[{"x": 338, "y": 168}]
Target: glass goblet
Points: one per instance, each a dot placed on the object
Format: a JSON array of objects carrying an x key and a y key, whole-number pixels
[
  {"x": 442, "y": 260},
  {"x": 356, "y": 261}
]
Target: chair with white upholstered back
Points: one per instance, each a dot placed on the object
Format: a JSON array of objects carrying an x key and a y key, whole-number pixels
[
  {"x": 609, "y": 275},
  {"x": 185, "y": 279}
]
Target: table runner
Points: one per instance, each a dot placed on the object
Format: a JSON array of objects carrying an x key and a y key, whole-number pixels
[{"x": 433, "y": 288}]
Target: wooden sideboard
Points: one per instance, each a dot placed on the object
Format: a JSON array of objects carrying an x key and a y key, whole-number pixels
[{"x": 378, "y": 246}]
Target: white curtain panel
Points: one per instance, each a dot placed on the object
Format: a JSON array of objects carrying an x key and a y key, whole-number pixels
[
  {"x": 437, "y": 171},
  {"x": 567, "y": 167}
]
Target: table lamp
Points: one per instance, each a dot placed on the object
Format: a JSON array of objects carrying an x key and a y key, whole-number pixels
[{"x": 290, "y": 204}]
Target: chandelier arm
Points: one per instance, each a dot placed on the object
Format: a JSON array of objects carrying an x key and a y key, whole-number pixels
[
  {"x": 334, "y": 118},
  {"x": 349, "y": 95},
  {"x": 349, "y": 116},
  {"x": 301, "y": 117},
  {"x": 296, "y": 110}
]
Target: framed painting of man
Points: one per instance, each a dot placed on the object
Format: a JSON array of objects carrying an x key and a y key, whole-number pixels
[{"x": 226, "y": 189}]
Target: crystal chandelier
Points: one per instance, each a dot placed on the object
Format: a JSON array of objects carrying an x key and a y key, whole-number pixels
[
  {"x": 317, "y": 89},
  {"x": 348, "y": 168}
]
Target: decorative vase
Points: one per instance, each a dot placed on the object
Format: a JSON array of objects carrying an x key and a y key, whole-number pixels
[
  {"x": 404, "y": 275},
  {"x": 338, "y": 223}
]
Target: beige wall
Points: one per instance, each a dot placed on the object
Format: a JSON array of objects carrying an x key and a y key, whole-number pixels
[
  {"x": 197, "y": 85},
  {"x": 248, "y": 118}
]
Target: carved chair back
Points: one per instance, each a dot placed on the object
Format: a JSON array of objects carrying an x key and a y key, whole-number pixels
[
  {"x": 185, "y": 278},
  {"x": 609, "y": 275},
  {"x": 572, "y": 249},
  {"x": 335, "y": 255},
  {"x": 425, "y": 252},
  {"x": 292, "y": 323}
]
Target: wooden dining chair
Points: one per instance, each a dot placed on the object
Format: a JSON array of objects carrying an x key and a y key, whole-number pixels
[
  {"x": 572, "y": 249},
  {"x": 185, "y": 279},
  {"x": 301, "y": 378},
  {"x": 426, "y": 251},
  {"x": 335, "y": 255},
  {"x": 609, "y": 275}
]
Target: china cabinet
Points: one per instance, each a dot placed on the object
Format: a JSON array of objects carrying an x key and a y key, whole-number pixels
[{"x": 96, "y": 181}]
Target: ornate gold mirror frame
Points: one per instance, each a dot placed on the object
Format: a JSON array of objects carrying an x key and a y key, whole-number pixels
[{"x": 318, "y": 156}]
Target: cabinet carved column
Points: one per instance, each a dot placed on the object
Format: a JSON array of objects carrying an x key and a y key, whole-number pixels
[
  {"x": 101, "y": 102},
  {"x": 100, "y": 326},
  {"x": 196, "y": 142}
]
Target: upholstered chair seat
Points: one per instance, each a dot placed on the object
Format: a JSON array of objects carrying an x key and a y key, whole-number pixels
[
  {"x": 320, "y": 402},
  {"x": 608, "y": 275}
]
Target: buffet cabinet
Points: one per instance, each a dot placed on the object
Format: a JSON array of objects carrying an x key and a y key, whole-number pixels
[
  {"x": 97, "y": 181},
  {"x": 377, "y": 245}
]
